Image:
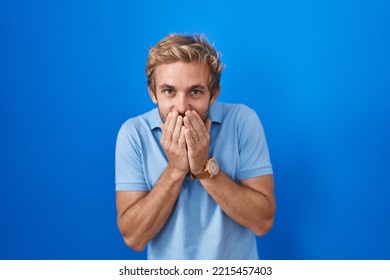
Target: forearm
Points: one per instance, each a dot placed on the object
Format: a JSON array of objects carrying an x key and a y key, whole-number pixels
[
  {"x": 141, "y": 221},
  {"x": 145, "y": 214},
  {"x": 248, "y": 207}
]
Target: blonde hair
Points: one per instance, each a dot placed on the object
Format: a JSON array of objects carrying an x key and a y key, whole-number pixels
[{"x": 185, "y": 48}]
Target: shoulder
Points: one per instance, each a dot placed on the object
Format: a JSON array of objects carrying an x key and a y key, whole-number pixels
[
  {"x": 146, "y": 121},
  {"x": 139, "y": 127},
  {"x": 235, "y": 112},
  {"x": 241, "y": 119}
]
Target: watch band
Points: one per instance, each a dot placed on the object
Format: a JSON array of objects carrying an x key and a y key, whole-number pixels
[
  {"x": 204, "y": 175},
  {"x": 208, "y": 172}
]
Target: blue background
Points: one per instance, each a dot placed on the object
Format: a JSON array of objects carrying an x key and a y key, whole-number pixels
[{"x": 317, "y": 73}]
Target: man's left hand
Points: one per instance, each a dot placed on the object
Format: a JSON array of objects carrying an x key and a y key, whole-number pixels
[{"x": 198, "y": 141}]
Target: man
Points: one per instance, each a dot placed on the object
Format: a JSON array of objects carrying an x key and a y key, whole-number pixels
[{"x": 193, "y": 176}]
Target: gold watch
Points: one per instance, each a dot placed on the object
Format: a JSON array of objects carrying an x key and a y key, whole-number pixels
[{"x": 211, "y": 169}]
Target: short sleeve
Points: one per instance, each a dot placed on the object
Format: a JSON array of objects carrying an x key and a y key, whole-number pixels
[
  {"x": 129, "y": 175},
  {"x": 253, "y": 148}
]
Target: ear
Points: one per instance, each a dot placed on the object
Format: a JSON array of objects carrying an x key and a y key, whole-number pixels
[
  {"x": 212, "y": 100},
  {"x": 152, "y": 95}
]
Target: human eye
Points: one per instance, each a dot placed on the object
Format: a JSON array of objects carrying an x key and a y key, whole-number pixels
[
  {"x": 196, "y": 92},
  {"x": 168, "y": 91}
]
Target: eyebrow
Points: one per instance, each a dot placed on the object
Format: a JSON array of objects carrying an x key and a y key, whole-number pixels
[
  {"x": 197, "y": 86},
  {"x": 166, "y": 86}
]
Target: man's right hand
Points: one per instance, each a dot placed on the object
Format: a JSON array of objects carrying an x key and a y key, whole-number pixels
[
  {"x": 174, "y": 143},
  {"x": 142, "y": 214}
]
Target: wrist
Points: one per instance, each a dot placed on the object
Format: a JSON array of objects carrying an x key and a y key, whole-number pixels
[
  {"x": 196, "y": 172},
  {"x": 175, "y": 173},
  {"x": 210, "y": 169}
]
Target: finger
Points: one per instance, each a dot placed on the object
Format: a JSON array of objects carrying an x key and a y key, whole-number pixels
[
  {"x": 197, "y": 127},
  {"x": 208, "y": 125},
  {"x": 170, "y": 127},
  {"x": 164, "y": 129},
  {"x": 172, "y": 122},
  {"x": 191, "y": 129},
  {"x": 168, "y": 130},
  {"x": 189, "y": 140},
  {"x": 182, "y": 139},
  {"x": 176, "y": 132},
  {"x": 200, "y": 125},
  {"x": 165, "y": 124}
]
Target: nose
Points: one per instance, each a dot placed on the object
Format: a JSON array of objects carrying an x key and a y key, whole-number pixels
[{"x": 182, "y": 104}]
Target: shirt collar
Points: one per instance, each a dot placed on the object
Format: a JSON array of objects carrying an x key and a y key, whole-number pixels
[
  {"x": 215, "y": 115},
  {"x": 154, "y": 119},
  {"x": 215, "y": 112}
]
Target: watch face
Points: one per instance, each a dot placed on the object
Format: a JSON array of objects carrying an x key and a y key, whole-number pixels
[{"x": 213, "y": 167}]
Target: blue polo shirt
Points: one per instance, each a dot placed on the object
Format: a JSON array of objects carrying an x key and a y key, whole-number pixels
[{"x": 197, "y": 227}]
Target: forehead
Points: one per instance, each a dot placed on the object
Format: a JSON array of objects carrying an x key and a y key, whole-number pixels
[{"x": 181, "y": 73}]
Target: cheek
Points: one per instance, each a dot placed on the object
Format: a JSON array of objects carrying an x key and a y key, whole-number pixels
[
  {"x": 164, "y": 108},
  {"x": 202, "y": 110}
]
